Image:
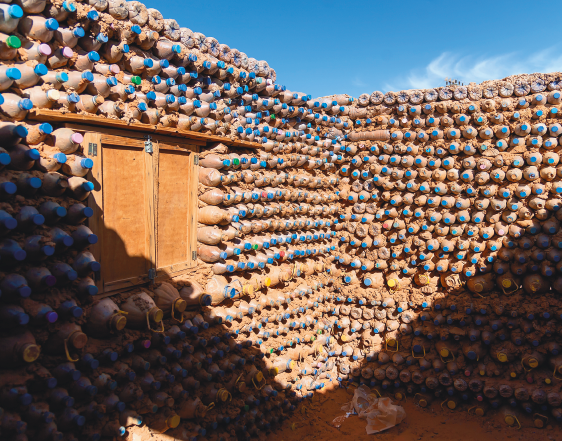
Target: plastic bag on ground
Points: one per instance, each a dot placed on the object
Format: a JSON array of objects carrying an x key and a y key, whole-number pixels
[{"x": 380, "y": 413}]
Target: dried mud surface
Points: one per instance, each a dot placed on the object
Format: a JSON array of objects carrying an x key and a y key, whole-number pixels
[{"x": 313, "y": 421}]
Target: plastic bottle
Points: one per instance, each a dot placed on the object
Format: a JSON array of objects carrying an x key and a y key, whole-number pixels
[
  {"x": 211, "y": 215},
  {"x": 169, "y": 300},
  {"x": 68, "y": 338},
  {"x": 9, "y": 45},
  {"x": 79, "y": 188},
  {"x": 78, "y": 213},
  {"x": 12, "y": 316},
  {"x": 84, "y": 264},
  {"x": 142, "y": 311},
  {"x": 10, "y": 16},
  {"x": 8, "y": 75},
  {"x": 15, "y": 107},
  {"x": 66, "y": 140},
  {"x": 18, "y": 348}
]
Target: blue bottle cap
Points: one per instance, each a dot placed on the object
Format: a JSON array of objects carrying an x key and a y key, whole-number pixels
[{"x": 88, "y": 76}]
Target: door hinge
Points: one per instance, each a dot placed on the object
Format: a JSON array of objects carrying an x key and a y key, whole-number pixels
[
  {"x": 92, "y": 149},
  {"x": 148, "y": 144},
  {"x": 194, "y": 255},
  {"x": 196, "y": 160},
  {"x": 152, "y": 274}
]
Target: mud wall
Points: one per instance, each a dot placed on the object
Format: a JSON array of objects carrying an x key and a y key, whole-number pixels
[{"x": 409, "y": 241}]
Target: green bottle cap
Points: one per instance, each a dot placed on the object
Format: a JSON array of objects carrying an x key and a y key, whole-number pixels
[
  {"x": 272, "y": 116},
  {"x": 255, "y": 246},
  {"x": 236, "y": 161},
  {"x": 13, "y": 42},
  {"x": 136, "y": 80}
]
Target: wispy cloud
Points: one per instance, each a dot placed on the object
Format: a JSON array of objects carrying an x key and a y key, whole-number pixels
[
  {"x": 470, "y": 68},
  {"x": 358, "y": 82}
]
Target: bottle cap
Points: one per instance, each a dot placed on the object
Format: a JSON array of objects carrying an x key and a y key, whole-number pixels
[
  {"x": 13, "y": 73},
  {"x": 13, "y": 42},
  {"x": 14, "y": 11},
  {"x": 76, "y": 138},
  {"x": 30, "y": 353},
  {"x": 53, "y": 95},
  {"x": 62, "y": 77}
]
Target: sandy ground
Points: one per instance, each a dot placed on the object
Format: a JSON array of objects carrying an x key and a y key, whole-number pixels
[{"x": 314, "y": 423}]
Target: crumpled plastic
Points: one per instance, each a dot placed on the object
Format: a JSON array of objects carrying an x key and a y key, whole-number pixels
[{"x": 380, "y": 413}]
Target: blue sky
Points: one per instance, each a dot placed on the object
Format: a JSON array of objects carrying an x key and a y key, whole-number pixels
[{"x": 328, "y": 47}]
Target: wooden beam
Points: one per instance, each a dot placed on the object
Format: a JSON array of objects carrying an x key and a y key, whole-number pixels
[
  {"x": 99, "y": 121},
  {"x": 92, "y": 149}
]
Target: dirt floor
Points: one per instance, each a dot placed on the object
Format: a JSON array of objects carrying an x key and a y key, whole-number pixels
[{"x": 432, "y": 423}]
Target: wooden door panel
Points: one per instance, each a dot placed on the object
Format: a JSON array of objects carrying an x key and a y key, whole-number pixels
[{"x": 126, "y": 243}]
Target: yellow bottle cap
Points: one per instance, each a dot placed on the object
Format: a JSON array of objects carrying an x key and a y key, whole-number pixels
[
  {"x": 267, "y": 281},
  {"x": 502, "y": 357},
  {"x": 119, "y": 322},
  {"x": 259, "y": 376},
  {"x": 533, "y": 362},
  {"x": 444, "y": 352},
  {"x": 156, "y": 314},
  {"x": 482, "y": 372},
  {"x": 506, "y": 283},
  {"x": 539, "y": 423},
  {"x": 451, "y": 404},
  {"x": 509, "y": 420},
  {"x": 391, "y": 282},
  {"x": 391, "y": 342},
  {"x": 173, "y": 421},
  {"x": 291, "y": 364},
  {"x": 547, "y": 381},
  {"x": 422, "y": 402},
  {"x": 180, "y": 305},
  {"x": 344, "y": 337},
  {"x": 274, "y": 371},
  {"x": 222, "y": 395},
  {"x": 478, "y": 287},
  {"x": 513, "y": 374},
  {"x": 398, "y": 396},
  {"x": 479, "y": 411},
  {"x": 30, "y": 353}
]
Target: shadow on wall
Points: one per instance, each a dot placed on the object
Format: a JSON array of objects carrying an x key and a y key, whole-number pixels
[
  {"x": 148, "y": 360},
  {"x": 470, "y": 347},
  {"x": 153, "y": 359}
]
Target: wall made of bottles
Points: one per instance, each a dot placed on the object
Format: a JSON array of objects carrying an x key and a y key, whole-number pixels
[
  {"x": 195, "y": 358},
  {"x": 451, "y": 232},
  {"x": 409, "y": 241}
]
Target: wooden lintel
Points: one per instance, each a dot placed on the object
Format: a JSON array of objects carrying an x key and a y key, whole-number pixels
[{"x": 196, "y": 138}]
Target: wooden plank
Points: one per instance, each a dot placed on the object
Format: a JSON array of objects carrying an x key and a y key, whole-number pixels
[
  {"x": 121, "y": 141},
  {"x": 125, "y": 284},
  {"x": 94, "y": 120},
  {"x": 173, "y": 208},
  {"x": 193, "y": 209},
  {"x": 126, "y": 240},
  {"x": 149, "y": 203},
  {"x": 128, "y": 133},
  {"x": 129, "y": 141},
  {"x": 91, "y": 148}
]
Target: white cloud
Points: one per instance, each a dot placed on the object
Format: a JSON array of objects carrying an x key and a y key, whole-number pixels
[
  {"x": 476, "y": 69},
  {"x": 358, "y": 82}
]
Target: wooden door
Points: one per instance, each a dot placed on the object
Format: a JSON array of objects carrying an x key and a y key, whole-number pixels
[
  {"x": 176, "y": 210},
  {"x": 145, "y": 208}
]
